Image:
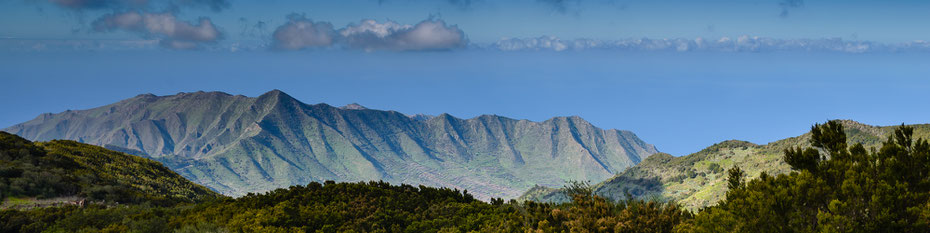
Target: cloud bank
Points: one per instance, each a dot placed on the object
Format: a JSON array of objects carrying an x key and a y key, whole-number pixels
[
  {"x": 152, "y": 19},
  {"x": 214, "y": 5},
  {"x": 171, "y": 32},
  {"x": 724, "y": 44},
  {"x": 742, "y": 44},
  {"x": 429, "y": 34},
  {"x": 369, "y": 35},
  {"x": 300, "y": 33}
]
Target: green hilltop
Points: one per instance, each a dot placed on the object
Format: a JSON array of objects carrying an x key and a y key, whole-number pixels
[
  {"x": 699, "y": 179},
  {"x": 71, "y": 171},
  {"x": 238, "y": 144}
]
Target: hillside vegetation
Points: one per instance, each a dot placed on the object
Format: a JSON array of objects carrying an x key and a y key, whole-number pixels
[
  {"x": 831, "y": 187},
  {"x": 238, "y": 144},
  {"x": 699, "y": 180},
  {"x": 55, "y": 169},
  {"x": 355, "y": 207}
]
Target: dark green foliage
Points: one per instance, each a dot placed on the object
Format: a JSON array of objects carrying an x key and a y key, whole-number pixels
[
  {"x": 735, "y": 178},
  {"x": 802, "y": 159},
  {"x": 27, "y": 170},
  {"x": 850, "y": 190},
  {"x": 591, "y": 213},
  {"x": 93, "y": 218},
  {"x": 380, "y": 207},
  {"x": 356, "y": 207},
  {"x": 715, "y": 168},
  {"x": 829, "y": 137}
]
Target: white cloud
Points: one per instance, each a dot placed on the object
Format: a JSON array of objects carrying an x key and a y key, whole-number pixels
[
  {"x": 300, "y": 32},
  {"x": 429, "y": 35},
  {"x": 369, "y": 35},
  {"x": 374, "y": 28},
  {"x": 172, "y": 33}
]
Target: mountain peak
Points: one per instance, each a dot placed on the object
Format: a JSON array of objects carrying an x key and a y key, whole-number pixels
[
  {"x": 142, "y": 97},
  {"x": 276, "y": 94},
  {"x": 854, "y": 124},
  {"x": 354, "y": 106},
  {"x": 146, "y": 95},
  {"x": 202, "y": 95},
  {"x": 732, "y": 143},
  {"x": 568, "y": 119},
  {"x": 658, "y": 158},
  {"x": 445, "y": 117}
]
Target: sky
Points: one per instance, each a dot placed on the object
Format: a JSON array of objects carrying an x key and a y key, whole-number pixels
[{"x": 682, "y": 75}]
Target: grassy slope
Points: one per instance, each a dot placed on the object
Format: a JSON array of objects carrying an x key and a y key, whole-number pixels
[
  {"x": 689, "y": 180},
  {"x": 93, "y": 172}
]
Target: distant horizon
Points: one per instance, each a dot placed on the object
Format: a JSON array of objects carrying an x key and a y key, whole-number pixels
[
  {"x": 680, "y": 74},
  {"x": 803, "y": 129},
  {"x": 553, "y": 105}
]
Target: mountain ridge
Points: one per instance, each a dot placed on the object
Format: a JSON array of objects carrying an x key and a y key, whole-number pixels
[{"x": 237, "y": 144}]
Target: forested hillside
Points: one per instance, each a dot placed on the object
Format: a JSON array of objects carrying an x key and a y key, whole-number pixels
[
  {"x": 356, "y": 207},
  {"x": 834, "y": 186},
  {"x": 699, "y": 180}
]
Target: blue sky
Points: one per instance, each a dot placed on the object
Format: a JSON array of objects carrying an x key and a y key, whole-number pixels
[
  {"x": 488, "y": 21},
  {"x": 706, "y": 71}
]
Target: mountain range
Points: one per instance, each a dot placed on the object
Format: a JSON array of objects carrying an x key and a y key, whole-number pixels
[
  {"x": 236, "y": 144},
  {"x": 699, "y": 180}
]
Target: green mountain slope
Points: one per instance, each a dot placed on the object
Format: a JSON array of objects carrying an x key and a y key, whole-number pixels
[
  {"x": 238, "y": 144},
  {"x": 58, "y": 169},
  {"x": 698, "y": 180}
]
